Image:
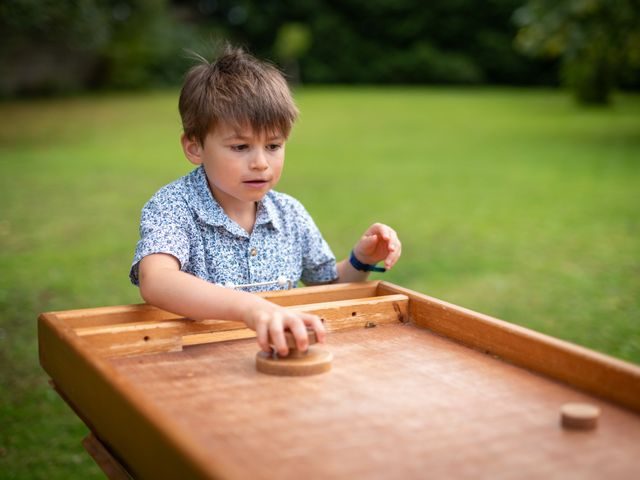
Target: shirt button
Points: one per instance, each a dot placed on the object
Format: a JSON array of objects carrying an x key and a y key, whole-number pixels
[{"x": 253, "y": 252}]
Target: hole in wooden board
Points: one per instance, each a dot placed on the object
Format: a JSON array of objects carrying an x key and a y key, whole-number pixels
[
  {"x": 353, "y": 314},
  {"x": 146, "y": 338}
]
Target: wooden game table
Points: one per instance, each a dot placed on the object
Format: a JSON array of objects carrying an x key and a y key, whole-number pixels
[{"x": 418, "y": 388}]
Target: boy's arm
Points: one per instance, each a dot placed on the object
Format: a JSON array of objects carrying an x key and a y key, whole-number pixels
[
  {"x": 163, "y": 284},
  {"x": 379, "y": 242}
]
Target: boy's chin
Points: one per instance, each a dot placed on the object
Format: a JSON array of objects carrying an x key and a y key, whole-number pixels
[
  {"x": 256, "y": 196},
  {"x": 256, "y": 191}
]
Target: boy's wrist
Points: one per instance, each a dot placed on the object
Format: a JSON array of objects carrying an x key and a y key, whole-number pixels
[{"x": 363, "y": 267}]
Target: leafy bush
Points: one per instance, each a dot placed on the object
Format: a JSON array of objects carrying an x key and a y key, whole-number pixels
[
  {"x": 597, "y": 41},
  {"x": 57, "y": 46}
]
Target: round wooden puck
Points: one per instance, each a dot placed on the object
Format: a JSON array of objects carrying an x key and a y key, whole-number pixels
[
  {"x": 291, "y": 340},
  {"x": 579, "y": 416},
  {"x": 313, "y": 361}
]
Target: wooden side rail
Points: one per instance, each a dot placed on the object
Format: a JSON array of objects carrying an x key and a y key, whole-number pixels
[
  {"x": 339, "y": 315},
  {"x": 171, "y": 335},
  {"x": 91, "y": 317},
  {"x": 602, "y": 375},
  {"x": 322, "y": 293}
]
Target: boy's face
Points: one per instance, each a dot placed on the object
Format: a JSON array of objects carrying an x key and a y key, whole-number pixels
[{"x": 241, "y": 167}]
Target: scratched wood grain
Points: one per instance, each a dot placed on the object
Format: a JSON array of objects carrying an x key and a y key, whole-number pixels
[{"x": 399, "y": 402}]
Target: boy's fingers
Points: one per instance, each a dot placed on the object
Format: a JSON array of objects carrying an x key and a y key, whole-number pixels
[
  {"x": 387, "y": 233},
  {"x": 394, "y": 247},
  {"x": 299, "y": 330},
  {"x": 393, "y": 257},
  {"x": 366, "y": 246},
  {"x": 393, "y": 241},
  {"x": 369, "y": 238},
  {"x": 314, "y": 322},
  {"x": 391, "y": 235},
  {"x": 368, "y": 243},
  {"x": 375, "y": 228},
  {"x": 276, "y": 333},
  {"x": 262, "y": 331},
  {"x": 380, "y": 229}
]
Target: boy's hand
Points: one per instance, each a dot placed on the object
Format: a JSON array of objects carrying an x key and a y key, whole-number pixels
[
  {"x": 379, "y": 242},
  {"x": 271, "y": 323}
]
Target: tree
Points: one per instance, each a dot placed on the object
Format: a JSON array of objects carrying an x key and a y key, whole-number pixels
[
  {"x": 51, "y": 46},
  {"x": 382, "y": 41},
  {"x": 292, "y": 42},
  {"x": 597, "y": 41}
]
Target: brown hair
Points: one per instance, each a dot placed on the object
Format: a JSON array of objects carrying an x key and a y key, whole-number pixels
[{"x": 239, "y": 90}]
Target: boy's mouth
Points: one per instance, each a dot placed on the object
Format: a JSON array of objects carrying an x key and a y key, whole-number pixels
[{"x": 256, "y": 183}]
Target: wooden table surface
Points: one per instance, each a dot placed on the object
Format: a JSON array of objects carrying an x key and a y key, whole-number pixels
[{"x": 399, "y": 402}]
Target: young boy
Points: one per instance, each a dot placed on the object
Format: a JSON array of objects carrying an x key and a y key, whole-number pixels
[{"x": 223, "y": 225}]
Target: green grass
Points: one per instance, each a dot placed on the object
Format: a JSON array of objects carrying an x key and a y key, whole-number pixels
[{"x": 515, "y": 203}]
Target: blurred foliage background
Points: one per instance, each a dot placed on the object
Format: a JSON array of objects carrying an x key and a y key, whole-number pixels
[{"x": 53, "y": 46}]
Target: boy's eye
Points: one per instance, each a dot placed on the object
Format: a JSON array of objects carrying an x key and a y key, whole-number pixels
[
  {"x": 239, "y": 148},
  {"x": 274, "y": 146}
]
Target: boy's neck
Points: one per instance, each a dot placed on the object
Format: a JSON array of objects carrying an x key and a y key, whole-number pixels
[{"x": 246, "y": 218}]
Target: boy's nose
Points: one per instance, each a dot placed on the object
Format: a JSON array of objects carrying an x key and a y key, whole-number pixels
[{"x": 259, "y": 161}]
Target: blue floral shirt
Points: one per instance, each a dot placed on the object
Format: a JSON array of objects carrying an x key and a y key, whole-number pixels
[{"x": 184, "y": 220}]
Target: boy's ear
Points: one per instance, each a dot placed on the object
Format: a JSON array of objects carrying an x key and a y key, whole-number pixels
[{"x": 192, "y": 149}]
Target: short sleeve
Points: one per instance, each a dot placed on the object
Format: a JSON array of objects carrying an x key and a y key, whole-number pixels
[
  {"x": 163, "y": 229},
  {"x": 318, "y": 261}
]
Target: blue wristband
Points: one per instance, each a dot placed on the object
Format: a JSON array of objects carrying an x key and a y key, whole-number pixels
[{"x": 364, "y": 267}]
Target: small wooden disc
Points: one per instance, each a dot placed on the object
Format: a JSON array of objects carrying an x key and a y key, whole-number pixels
[
  {"x": 291, "y": 340},
  {"x": 314, "y": 361},
  {"x": 579, "y": 416}
]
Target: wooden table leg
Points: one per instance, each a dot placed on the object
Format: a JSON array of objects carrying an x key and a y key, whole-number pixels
[{"x": 109, "y": 465}]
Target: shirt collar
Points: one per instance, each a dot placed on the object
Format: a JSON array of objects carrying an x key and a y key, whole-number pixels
[
  {"x": 210, "y": 212},
  {"x": 267, "y": 212}
]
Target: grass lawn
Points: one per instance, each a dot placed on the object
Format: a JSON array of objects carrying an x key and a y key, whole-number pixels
[{"x": 515, "y": 203}]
